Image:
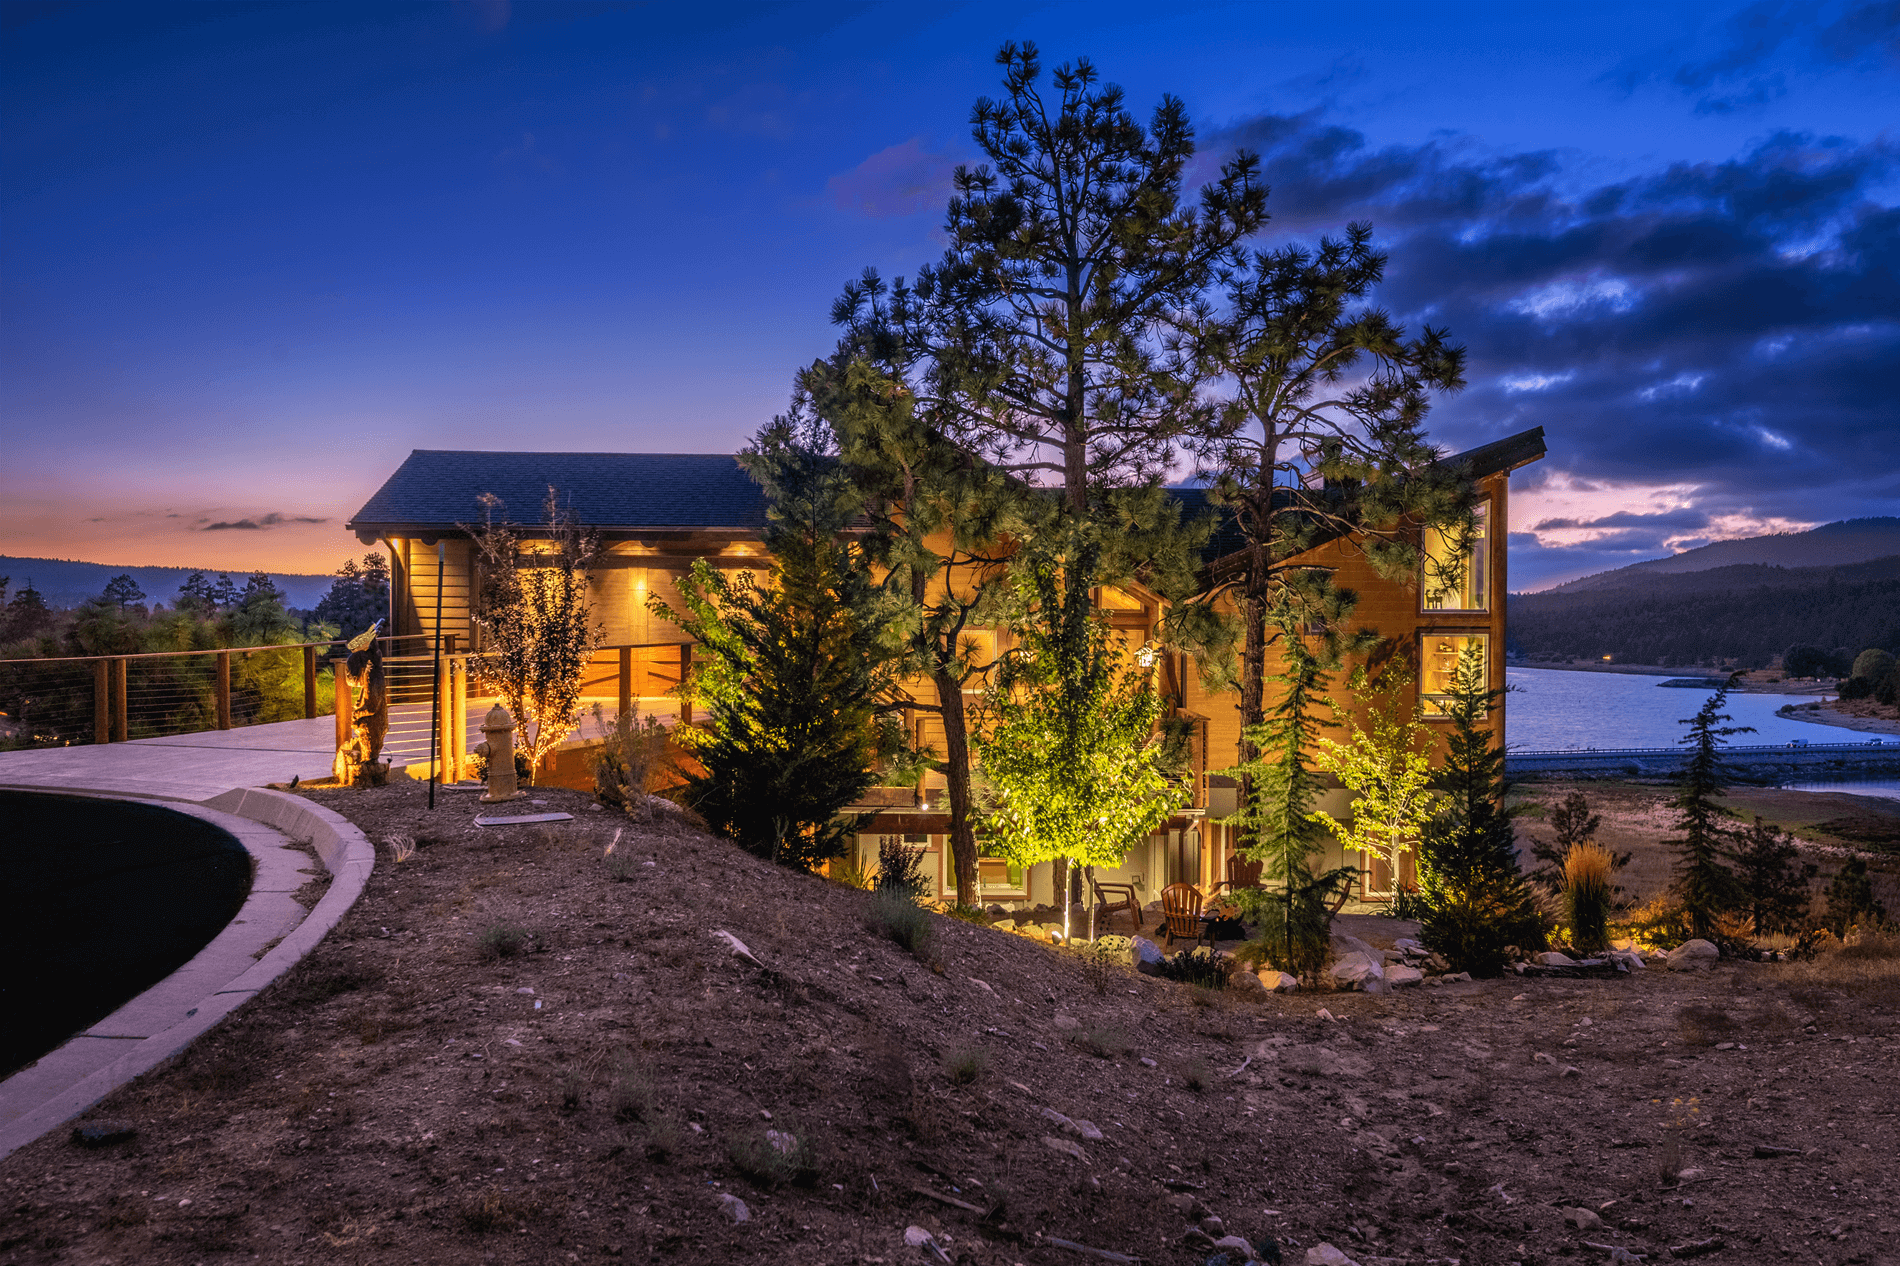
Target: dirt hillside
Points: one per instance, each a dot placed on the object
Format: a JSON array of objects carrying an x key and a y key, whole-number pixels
[{"x": 506, "y": 1054}]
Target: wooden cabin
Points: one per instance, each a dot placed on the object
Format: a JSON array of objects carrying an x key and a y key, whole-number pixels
[{"x": 658, "y": 512}]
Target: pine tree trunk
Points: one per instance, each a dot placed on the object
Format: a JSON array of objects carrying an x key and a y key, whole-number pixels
[{"x": 956, "y": 770}]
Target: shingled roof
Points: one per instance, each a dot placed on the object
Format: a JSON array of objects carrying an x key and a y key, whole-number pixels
[{"x": 439, "y": 490}]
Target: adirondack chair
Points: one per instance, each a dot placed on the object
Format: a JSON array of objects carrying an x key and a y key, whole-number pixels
[
  {"x": 1113, "y": 898},
  {"x": 1181, "y": 912}
]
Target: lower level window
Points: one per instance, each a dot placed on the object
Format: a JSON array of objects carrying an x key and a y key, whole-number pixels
[{"x": 1439, "y": 655}]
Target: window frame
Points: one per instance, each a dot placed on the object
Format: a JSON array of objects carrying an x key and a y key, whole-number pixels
[
  {"x": 1432, "y": 703},
  {"x": 1480, "y": 557}
]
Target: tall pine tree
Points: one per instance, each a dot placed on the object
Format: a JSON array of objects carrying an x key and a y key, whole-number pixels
[{"x": 1705, "y": 886}]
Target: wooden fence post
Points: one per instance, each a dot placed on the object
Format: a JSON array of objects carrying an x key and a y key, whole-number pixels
[
  {"x": 445, "y": 704},
  {"x": 626, "y": 680},
  {"x": 309, "y": 683},
  {"x": 101, "y": 701},
  {"x": 459, "y": 713},
  {"x": 686, "y": 668},
  {"x": 340, "y": 668},
  {"x": 120, "y": 730},
  {"x": 224, "y": 690}
]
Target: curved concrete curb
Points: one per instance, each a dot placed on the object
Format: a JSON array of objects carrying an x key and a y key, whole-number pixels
[{"x": 223, "y": 975}]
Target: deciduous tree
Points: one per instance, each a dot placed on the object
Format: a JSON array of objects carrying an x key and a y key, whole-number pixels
[{"x": 1385, "y": 765}]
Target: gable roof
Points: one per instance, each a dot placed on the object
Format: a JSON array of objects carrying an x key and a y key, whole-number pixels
[
  {"x": 1496, "y": 458},
  {"x": 439, "y": 490}
]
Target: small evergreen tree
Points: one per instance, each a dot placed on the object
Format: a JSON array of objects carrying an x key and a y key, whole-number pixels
[
  {"x": 123, "y": 590},
  {"x": 1850, "y": 899},
  {"x": 1704, "y": 885},
  {"x": 1294, "y": 904},
  {"x": 795, "y": 675},
  {"x": 1067, "y": 740},
  {"x": 536, "y": 623},
  {"x": 1476, "y": 901},
  {"x": 1773, "y": 888}
]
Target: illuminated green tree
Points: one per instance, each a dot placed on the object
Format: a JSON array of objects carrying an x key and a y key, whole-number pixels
[
  {"x": 537, "y": 628},
  {"x": 1385, "y": 766},
  {"x": 1068, "y": 746}
]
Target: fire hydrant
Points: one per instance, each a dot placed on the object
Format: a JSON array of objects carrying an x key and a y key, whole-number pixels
[{"x": 499, "y": 749}]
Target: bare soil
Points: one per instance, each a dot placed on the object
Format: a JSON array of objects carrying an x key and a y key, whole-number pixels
[{"x": 428, "y": 1086}]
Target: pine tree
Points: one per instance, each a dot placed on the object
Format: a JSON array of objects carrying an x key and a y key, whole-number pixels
[
  {"x": 797, "y": 673},
  {"x": 1320, "y": 439},
  {"x": 1774, "y": 889},
  {"x": 1068, "y": 745},
  {"x": 358, "y": 597},
  {"x": 937, "y": 518},
  {"x": 1476, "y": 901},
  {"x": 1850, "y": 899},
  {"x": 1703, "y": 884},
  {"x": 124, "y": 591}
]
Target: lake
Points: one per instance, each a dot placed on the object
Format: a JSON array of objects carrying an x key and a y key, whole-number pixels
[{"x": 1551, "y": 710}]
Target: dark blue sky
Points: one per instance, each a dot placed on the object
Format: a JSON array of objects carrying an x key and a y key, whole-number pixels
[{"x": 250, "y": 255}]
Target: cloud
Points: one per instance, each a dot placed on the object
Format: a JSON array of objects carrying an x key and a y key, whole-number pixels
[
  {"x": 1718, "y": 337},
  {"x": 1759, "y": 46},
  {"x": 897, "y": 181},
  {"x": 271, "y": 520}
]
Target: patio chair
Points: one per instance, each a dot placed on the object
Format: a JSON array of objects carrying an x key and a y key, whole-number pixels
[
  {"x": 1181, "y": 912},
  {"x": 1111, "y": 899}
]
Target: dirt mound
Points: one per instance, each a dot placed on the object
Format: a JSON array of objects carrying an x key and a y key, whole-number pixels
[{"x": 505, "y": 1053}]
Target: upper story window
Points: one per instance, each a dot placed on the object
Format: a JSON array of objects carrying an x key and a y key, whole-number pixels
[{"x": 1455, "y": 581}]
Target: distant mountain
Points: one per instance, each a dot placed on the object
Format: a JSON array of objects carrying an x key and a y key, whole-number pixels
[
  {"x": 1741, "y": 615},
  {"x": 67, "y": 583},
  {"x": 1830, "y": 545}
]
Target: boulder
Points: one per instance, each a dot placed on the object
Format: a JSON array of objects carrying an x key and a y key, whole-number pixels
[
  {"x": 1004, "y": 925},
  {"x": 1406, "y": 945},
  {"x": 1147, "y": 956},
  {"x": 1691, "y": 955},
  {"x": 1628, "y": 960},
  {"x": 1245, "y": 982},
  {"x": 1551, "y": 958},
  {"x": 734, "y": 1208},
  {"x": 1278, "y": 981},
  {"x": 1235, "y": 1244},
  {"x": 1359, "y": 970},
  {"x": 1344, "y": 945},
  {"x": 1398, "y": 975},
  {"x": 1327, "y": 1255}
]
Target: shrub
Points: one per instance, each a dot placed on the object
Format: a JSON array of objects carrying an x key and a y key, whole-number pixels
[
  {"x": 900, "y": 868},
  {"x": 1197, "y": 966},
  {"x": 899, "y": 917},
  {"x": 1850, "y": 900},
  {"x": 1873, "y": 665},
  {"x": 1476, "y": 920},
  {"x": 774, "y": 1156},
  {"x": 1588, "y": 895},
  {"x": 401, "y": 847},
  {"x": 964, "y": 1066},
  {"x": 1856, "y": 688},
  {"x": 504, "y": 942},
  {"x": 1104, "y": 1041},
  {"x": 624, "y": 764}
]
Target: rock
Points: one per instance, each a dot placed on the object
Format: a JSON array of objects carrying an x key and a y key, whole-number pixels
[
  {"x": 733, "y": 1207},
  {"x": 917, "y": 1237},
  {"x": 1327, "y": 1255},
  {"x": 1357, "y": 970},
  {"x": 1245, "y": 982},
  {"x": 1187, "y": 1204},
  {"x": 1452, "y": 978},
  {"x": 1214, "y": 1227},
  {"x": 104, "y": 1133},
  {"x": 1147, "y": 955},
  {"x": 1628, "y": 960},
  {"x": 1692, "y": 955},
  {"x": 1278, "y": 981},
  {"x": 1053, "y": 931},
  {"x": 1551, "y": 958},
  {"x": 1066, "y": 1147},
  {"x": 1398, "y": 975},
  {"x": 1004, "y": 925},
  {"x": 1087, "y": 1129},
  {"x": 995, "y": 911},
  {"x": 1406, "y": 945},
  {"x": 1583, "y": 1219},
  {"x": 1541, "y": 1058},
  {"x": 1570, "y": 1070},
  {"x": 1235, "y": 1244},
  {"x": 1194, "y": 1237},
  {"x": 1067, "y": 1022},
  {"x": 1344, "y": 945}
]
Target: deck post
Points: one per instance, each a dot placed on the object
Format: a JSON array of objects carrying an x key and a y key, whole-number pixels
[
  {"x": 445, "y": 704},
  {"x": 341, "y": 669},
  {"x": 120, "y": 730},
  {"x": 626, "y": 680},
  {"x": 224, "y": 690},
  {"x": 686, "y": 668},
  {"x": 459, "y": 712},
  {"x": 101, "y": 702},
  {"x": 309, "y": 683}
]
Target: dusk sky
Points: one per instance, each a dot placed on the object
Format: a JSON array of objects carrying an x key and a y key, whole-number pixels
[{"x": 251, "y": 255}]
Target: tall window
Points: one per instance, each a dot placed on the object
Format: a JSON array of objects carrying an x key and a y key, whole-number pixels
[
  {"x": 1456, "y": 581},
  {"x": 1438, "y": 663}
]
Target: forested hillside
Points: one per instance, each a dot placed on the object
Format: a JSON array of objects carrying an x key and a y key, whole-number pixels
[
  {"x": 1745, "y": 614},
  {"x": 1830, "y": 545}
]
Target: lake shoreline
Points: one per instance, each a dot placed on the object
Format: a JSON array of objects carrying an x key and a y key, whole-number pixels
[{"x": 1749, "y": 684}]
